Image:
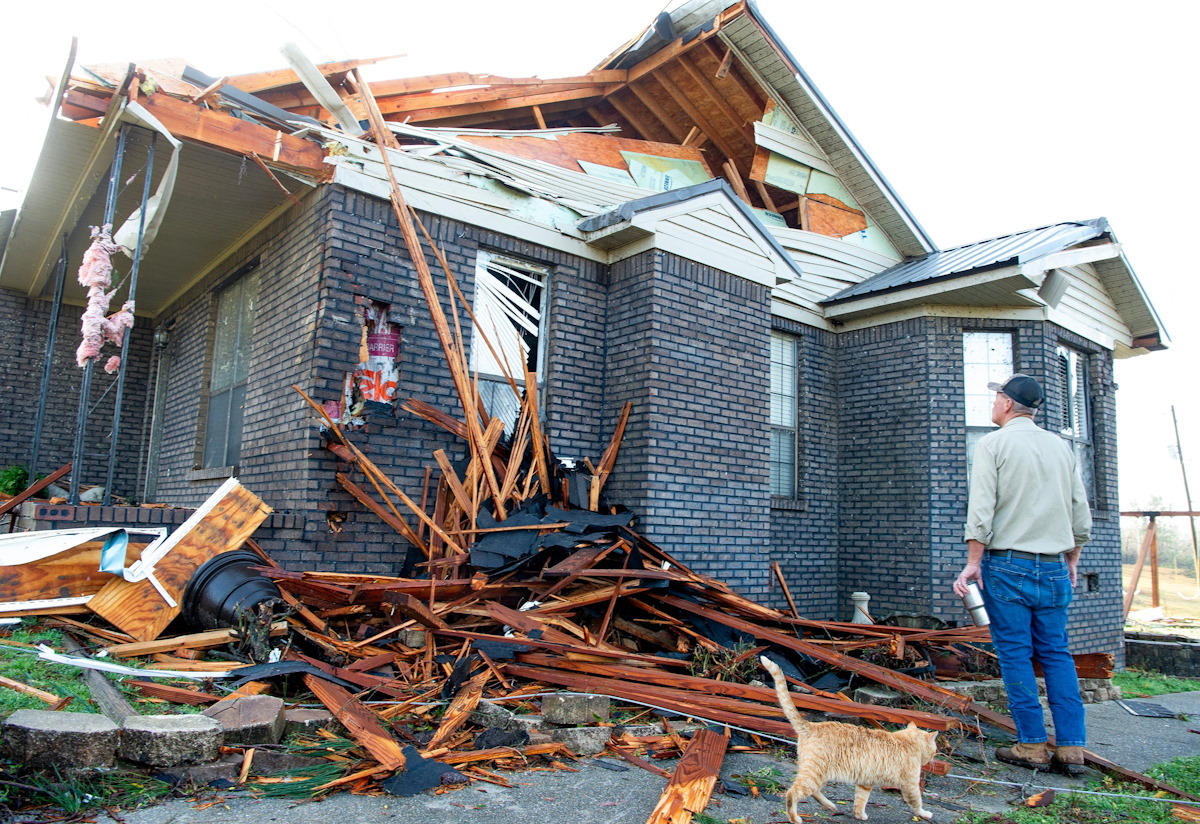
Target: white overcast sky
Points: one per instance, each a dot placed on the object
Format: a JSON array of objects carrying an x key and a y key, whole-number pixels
[{"x": 986, "y": 118}]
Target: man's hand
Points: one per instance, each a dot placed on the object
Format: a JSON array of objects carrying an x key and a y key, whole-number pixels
[
  {"x": 970, "y": 574},
  {"x": 1072, "y": 559}
]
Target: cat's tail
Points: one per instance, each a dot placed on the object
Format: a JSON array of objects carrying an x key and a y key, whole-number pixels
[{"x": 798, "y": 721}]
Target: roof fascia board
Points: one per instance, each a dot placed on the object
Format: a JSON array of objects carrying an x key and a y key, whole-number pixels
[
  {"x": 935, "y": 310},
  {"x": 929, "y": 289},
  {"x": 644, "y": 212},
  {"x": 1036, "y": 269},
  {"x": 1123, "y": 261},
  {"x": 843, "y": 131},
  {"x": 790, "y": 311}
]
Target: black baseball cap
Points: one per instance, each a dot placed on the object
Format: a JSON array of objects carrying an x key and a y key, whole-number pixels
[{"x": 1022, "y": 389}]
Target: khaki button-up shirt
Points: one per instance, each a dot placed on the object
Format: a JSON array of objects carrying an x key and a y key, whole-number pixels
[{"x": 1026, "y": 492}]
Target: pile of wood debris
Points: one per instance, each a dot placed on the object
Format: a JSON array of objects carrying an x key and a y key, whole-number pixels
[{"x": 530, "y": 580}]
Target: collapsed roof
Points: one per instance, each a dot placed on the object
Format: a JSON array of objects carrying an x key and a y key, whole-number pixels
[{"x": 706, "y": 93}]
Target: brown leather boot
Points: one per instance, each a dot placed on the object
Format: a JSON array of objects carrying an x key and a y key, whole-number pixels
[
  {"x": 1068, "y": 761},
  {"x": 1029, "y": 756}
]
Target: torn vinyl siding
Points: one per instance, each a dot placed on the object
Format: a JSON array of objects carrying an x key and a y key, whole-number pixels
[
  {"x": 788, "y": 161},
  {"x": 1087, "y": 309},
  {"x": 829, "y": 265}
]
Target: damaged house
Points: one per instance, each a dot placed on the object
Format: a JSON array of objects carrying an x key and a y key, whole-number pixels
[{"x": 688, "y": 228}]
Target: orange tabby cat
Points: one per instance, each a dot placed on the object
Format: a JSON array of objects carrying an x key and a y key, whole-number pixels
[{"x": 833, "y": 751}]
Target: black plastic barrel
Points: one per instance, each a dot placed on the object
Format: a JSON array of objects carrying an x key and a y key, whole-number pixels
[{"x": 224, "y": 586}]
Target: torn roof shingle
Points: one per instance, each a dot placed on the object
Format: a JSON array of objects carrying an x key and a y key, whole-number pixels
[{"x": 986, "y": 254}]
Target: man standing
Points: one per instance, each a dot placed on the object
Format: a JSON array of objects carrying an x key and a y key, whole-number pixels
[{"x": 1027, "y": 520}]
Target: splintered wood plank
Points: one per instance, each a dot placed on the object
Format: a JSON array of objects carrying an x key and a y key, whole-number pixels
[
  {"x": 137, "y": 607},
  {"x": 692, "y": 783},
  {"x": 33, "y": 692},
  {"x": 460, "y": 709},
  {"x": 176, "y": 695},
  {"x": 198, "y": 640},
  {"x": 72, "y": 573},
  {"x": 410, "y": 607},
  {"x": 1087, "y": 665},
  {"x": 231, "y": 134},
  {"x": 363, "y": 725}
]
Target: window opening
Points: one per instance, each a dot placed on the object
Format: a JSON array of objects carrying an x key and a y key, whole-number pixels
[
  {"x": 1075, "y": 418},
  {"x": 508, "y": 340},
  {"x": 987, "y": 358},
  {"x": 784, "y": 416},
  {"x": 236, "y": 307}
]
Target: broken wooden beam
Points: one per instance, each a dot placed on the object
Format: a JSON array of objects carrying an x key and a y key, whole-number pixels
[
  {"x": 693, "y": 781},
  {"x": 362, "y": 724}
]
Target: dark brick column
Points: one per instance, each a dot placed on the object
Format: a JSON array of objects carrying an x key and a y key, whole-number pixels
[{"x": 689, "y": 346}]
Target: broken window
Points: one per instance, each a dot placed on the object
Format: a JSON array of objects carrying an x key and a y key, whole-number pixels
[
  {"x": 987, "y": 358},
  {"x": 508, "y": 339},
  {"x": 236, "y": 306},
  {"x": 784, "y": 416},
  {"x": 1075, "y": 421}
]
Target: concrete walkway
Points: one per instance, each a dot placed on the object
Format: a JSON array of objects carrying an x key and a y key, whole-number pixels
[{"x": 595, "y": 795}]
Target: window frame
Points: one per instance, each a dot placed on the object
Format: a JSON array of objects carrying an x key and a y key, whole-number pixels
[
  {"x": 996, "y": 371},
  {"x": 245, "y": 279},
  {"x": 492, "y": 384},
  {"x": 791, "y": 498},
  {"x": 1077, "y": 412}
]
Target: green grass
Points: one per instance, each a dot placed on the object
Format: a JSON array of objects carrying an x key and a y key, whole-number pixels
[
  {"x": 767, "y": 779},
  {"x": 23, "y": 665},
  {"x": 1182, "y": 772},
  {"x": 1142, "y": 684},
  {"x": 74, "y": 795}
]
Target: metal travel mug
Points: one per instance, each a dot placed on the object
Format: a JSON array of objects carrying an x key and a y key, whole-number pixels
[{"x": 973, "y": 601}]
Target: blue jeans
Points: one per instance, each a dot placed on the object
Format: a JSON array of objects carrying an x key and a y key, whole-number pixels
[{"x": 1027, "y": 604}]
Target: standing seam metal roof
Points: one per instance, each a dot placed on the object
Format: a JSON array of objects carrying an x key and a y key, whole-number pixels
[{"x": 986, "y": 254}]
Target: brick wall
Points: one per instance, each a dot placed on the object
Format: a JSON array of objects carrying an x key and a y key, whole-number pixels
[
  {"x": 803, "y": 538},
  {"x": 882, "y": 461},
  {"x": 24, "y": 326},
  {"x": 884, "y": 467},
  {"x": 689, "y": 346},
  {"x": 902, "y": 478}
]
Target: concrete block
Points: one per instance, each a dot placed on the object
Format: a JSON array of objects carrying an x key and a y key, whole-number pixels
[
  {"x": 574, "y": 710},
  {"x": 488, "y": 714},
  {"x": 67, "y": 740},
  {"x": 582, "y": 740},
  {"x": 415, "y": 638},
  {"x": 253, "y": 719},
  {"x": 307, "y": 722},
  {"x": 880, "y": 696},
  {"x": 167, "y": 740},
  {"x": 526, "y": 722}
]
